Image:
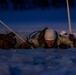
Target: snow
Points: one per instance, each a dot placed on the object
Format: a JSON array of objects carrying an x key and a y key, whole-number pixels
[{"x": 37, "y": 61}]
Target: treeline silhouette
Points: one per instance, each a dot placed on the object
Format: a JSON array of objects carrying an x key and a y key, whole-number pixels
[{"x": 30, "y": 4}]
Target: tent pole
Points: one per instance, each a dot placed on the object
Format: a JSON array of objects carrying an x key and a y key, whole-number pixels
[{"x": 69, "y": 20}]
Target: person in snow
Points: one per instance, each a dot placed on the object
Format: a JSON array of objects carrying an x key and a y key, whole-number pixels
[
  {"x": 45, "y": 39},
  {"x": 48, "y": 38}
]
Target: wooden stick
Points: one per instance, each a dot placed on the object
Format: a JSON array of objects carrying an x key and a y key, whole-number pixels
[{"x": 11, "y": 30}]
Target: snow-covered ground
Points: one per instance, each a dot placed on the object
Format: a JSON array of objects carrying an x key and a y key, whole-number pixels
[{"x": 38, "y": 61}]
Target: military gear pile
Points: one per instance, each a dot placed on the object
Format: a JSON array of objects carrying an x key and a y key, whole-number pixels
[{"x": 7, "y": 41}]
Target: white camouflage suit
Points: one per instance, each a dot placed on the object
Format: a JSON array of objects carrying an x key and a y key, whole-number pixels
[{"x": 64, "y": 40}]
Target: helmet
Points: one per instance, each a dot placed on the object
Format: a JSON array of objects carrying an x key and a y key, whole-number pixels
[{"x": 50, "y": 34}]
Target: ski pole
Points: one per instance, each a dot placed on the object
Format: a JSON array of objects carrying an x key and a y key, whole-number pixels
[
  {"x": 11, "y": 30},
  {"x": 69, "y": 21}
]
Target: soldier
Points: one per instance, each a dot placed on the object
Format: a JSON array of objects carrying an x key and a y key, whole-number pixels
[{"x": 45, "y": 39}]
